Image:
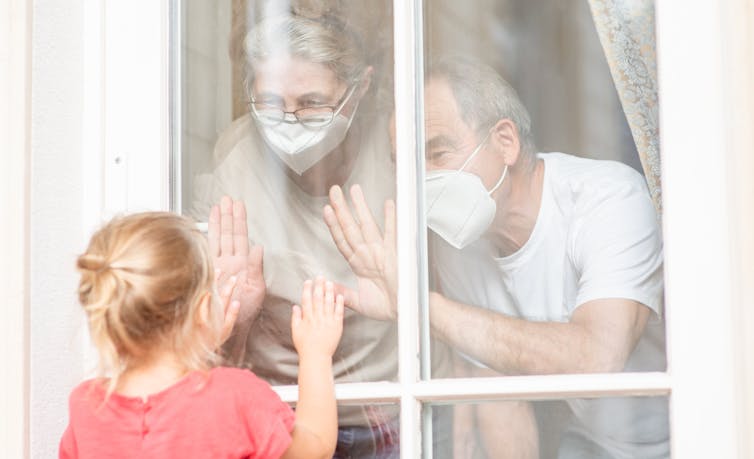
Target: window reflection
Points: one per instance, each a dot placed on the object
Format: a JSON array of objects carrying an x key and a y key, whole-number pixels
[
  {"x": 547, "y": 429},
  {"x": 318, "y": 84},
  {"x": 541, "y": 262}
]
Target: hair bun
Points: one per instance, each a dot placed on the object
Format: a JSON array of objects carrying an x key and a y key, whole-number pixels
[{"x": 92, "y": 262}]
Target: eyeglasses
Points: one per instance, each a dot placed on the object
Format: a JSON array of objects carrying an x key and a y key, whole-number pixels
[{"x": 312, "y": 117}]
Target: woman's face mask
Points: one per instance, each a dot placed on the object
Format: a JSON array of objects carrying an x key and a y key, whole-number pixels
[
  {"x": 459, "y": 207},
  {"x": 300, "y": 146}
]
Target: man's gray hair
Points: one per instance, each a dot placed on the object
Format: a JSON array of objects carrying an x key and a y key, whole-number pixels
[
  {"x": 483, "y": 97},
  {"x": 324, "y": 40}
]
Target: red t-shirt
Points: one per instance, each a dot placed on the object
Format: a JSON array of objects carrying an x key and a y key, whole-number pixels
[{"x": 225, "y": 413}]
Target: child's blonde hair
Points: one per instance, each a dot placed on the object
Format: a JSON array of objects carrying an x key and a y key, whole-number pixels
[{"x": 143, "y": 277}]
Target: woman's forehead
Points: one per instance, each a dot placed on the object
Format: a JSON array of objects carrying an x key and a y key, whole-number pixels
[{"x": 289, "y": 75}]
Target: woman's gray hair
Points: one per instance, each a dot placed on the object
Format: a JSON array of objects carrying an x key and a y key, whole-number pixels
[
  {"x": 324, "y": 40},
  {"x": 483, "y": 97}
]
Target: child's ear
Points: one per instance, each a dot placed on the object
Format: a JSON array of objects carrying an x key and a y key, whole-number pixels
[{"x": 203, "y": 314}]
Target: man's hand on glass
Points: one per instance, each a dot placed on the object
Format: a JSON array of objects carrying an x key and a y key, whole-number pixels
[
  {"x": 232, "y": 256},
  {"x": 370, "y": 254}
]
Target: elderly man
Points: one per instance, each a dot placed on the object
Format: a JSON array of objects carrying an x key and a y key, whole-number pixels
[
  {"x": 312, "y": 123},
  {"x": 554, "y": 262}
]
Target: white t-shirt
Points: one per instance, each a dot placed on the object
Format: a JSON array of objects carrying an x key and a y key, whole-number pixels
[
  {"x": 297, "y": 244},
  {"x": 596, "y": 236}
]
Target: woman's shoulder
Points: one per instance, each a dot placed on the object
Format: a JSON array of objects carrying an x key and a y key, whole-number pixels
[{"x": 232, "y": 135}]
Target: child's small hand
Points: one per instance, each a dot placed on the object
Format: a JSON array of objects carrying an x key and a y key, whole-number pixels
[{"x": 317, "y": 324}]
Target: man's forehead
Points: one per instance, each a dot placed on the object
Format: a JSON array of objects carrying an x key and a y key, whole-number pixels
[
  {"x": 441, "y": 114},
  {"x": 439, "y": 99}
]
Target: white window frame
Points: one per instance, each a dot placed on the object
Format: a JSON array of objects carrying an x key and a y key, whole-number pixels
[
  {"x": 15, "y": 145},
  {"x": 701, "y": 352}
]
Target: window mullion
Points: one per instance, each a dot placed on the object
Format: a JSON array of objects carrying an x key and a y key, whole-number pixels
[
  {"x": 544, "y": 387},
  {"x": 407, "y": 116},
  {"x": 699, "y": 281}
]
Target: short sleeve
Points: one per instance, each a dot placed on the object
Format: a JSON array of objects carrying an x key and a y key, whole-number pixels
[
  {"x": 618, "y": 248},
  {"x": 67, "y": 449}
]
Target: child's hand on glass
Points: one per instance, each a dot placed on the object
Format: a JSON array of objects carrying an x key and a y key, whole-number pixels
[{"x": 317, "y": 323}]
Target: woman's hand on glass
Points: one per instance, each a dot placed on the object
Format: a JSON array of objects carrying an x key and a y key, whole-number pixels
[
  {"x": 369, "y": 252},
  {"x": 232, "y": 256}
]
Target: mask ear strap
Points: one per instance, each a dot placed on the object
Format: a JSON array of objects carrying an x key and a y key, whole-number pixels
[
  {"x": 474, "y": 153},
  {"x": 345, "y": 101},
  {"x": 500, "y": 182}
]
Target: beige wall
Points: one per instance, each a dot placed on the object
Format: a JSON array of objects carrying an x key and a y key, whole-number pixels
[
  {"x": 207, "y": 81},
  {"x": 549, "y": 51}
]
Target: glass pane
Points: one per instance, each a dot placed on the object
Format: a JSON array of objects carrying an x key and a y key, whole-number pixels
[
  {"x": 292, "y": 63},
  {"x": 377, "y": 438},
  {"x": 540, "y": 262},
  {"x": 565, "y": 429},
  {"x": 380, "y": 437}
]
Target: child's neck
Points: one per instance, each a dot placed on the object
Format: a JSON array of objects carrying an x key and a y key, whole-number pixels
[{"x": 153, "y": 375}]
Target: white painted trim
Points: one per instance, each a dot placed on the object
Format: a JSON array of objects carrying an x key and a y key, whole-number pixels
[
  {"x": 175, "y": 53},
  {"x": 700, "y": 282},
  {"x": 15, "y": 143},
  {"x": 548, "y": 387},
  {"x": 407, "y": 115},
  {"x": 738, "y": 65},
  {"x": 352, "y": 393},
  {"x": 92, "y": 139},
  {"x": 136, "y": 93},
  {"x": 697, "y": 227}
]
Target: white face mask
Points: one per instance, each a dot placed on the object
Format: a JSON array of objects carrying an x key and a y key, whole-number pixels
[
  {"x": 459, "y": 207},
  {"x": 301, "y": 147}
]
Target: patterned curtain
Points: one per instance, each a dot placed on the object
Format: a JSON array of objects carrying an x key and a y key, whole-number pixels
[{"x": 627, "y": 32}]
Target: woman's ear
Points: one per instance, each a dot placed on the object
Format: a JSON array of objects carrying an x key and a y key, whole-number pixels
[
  {"x": 366, "y": 81},
  {"x": 504, "y": 137}
]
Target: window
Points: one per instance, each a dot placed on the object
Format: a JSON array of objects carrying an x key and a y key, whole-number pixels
[
  {"x": 409, "y": 390},
  {"x": 245, "y": 131}
]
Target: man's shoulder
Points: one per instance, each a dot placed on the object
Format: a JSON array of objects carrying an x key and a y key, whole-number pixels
[
  {"x": 583, "y": 181},
  {"x": 587, "y": 170}
]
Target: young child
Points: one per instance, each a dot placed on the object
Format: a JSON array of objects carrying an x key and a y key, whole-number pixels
[{"x": 147, "y": 286}]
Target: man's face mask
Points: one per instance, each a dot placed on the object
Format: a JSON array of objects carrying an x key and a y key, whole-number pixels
[
  {"x": 459, "y": 207},
  {"x": 302, "y": 138}
]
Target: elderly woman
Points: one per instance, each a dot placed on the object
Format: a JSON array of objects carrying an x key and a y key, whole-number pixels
[{"x": 311, "y": 125}]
